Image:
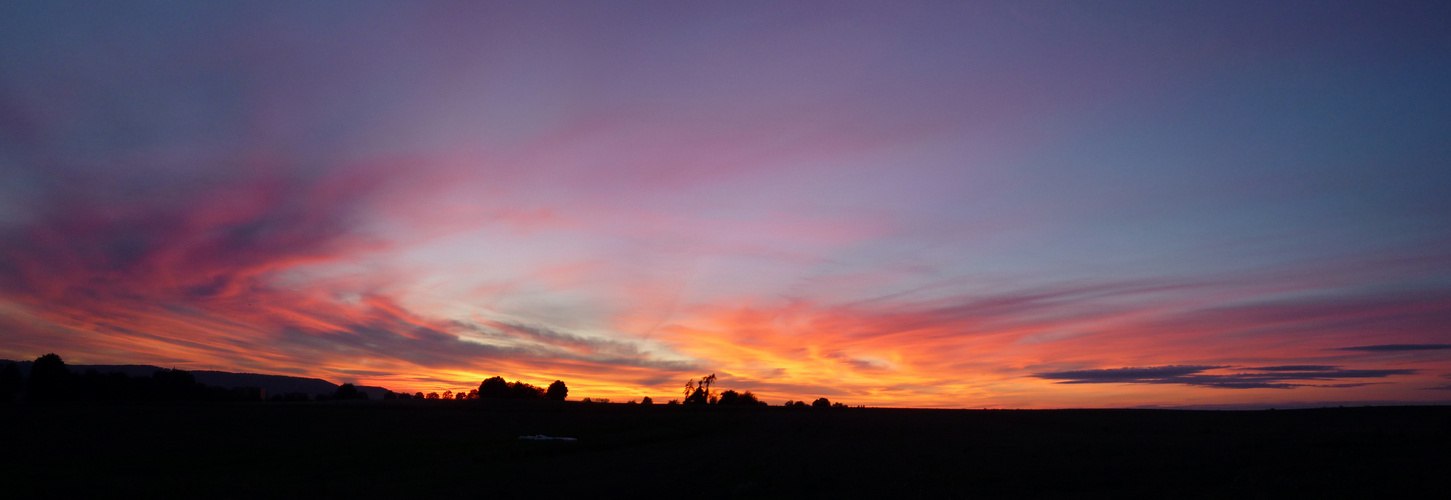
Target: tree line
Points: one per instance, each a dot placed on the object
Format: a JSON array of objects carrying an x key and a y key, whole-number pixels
[{"x": 51, "y": 380}]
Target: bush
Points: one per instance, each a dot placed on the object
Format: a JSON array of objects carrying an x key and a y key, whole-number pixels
[
  {"x": 50, "y": 380},
  {"x": 494, "y": 387},
  {"x": 347, "y": 391},
  {"x": 557, "y": 391}
]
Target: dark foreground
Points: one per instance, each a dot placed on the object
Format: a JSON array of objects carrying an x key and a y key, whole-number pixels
[{"x": 460, "y": 449}]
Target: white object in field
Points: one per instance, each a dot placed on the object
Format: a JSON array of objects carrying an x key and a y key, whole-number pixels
[{"x": 541, "y": 437}]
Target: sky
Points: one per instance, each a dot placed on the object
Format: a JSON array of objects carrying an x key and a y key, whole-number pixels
[{"x": 930, "y": 204}]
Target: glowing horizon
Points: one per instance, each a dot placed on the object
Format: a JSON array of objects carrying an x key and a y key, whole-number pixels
[{"x": 1025, "y": 205}]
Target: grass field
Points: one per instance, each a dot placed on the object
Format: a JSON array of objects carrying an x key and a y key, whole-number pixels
[{"x": 431, "y": 449}]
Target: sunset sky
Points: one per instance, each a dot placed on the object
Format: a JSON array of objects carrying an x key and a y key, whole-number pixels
[{"x": 938, "y": 204}]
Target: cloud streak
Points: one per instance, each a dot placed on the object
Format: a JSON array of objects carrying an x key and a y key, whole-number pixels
[
  {"x": 1267, "y": 377},
  {"x": 1397, "y": 347}
]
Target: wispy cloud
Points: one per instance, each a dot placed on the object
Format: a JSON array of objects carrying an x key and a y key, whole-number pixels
[
  {"x": 1269, "y": 377},
  {"x": 1397, "y": 347}
]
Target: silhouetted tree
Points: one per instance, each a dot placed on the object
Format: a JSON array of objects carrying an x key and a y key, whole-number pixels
[
  {"x": 447, "y": 394},
  {"x": 112, "y": 386},
  {"x": 174, "y": 385},
  {"x": 461, "y": 395},
  {"x": 672, "y": 402},
  {"x": 50, "y": 380},
  {"x": 749, "y": 398},
  {"x": 732, "y": 398},
  {"x": 473, "y": 394},
  {"x": 821, "y": 403},
  {"x": 557, "y": 391},
  {"x": 520, "y": 390},
  {"x": 494, "y": 387},
  {"x": 10, "y": 382},
  {"x": 346, "y": 391},
  {"x": 432, "y": 395},
  {"x": 418, "y": 395},
  {"x": 697, "y": 398},
  {"x": 647, "y": 401},
  {"x": 699, "y": 393},
  {"x": 387, "y": 395}
]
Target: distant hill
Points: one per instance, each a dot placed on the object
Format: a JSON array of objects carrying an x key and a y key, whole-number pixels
[{"x": 273, "y": 384}]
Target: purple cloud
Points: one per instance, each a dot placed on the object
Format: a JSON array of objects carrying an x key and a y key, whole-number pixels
[{"x": 1269, "y": 377}]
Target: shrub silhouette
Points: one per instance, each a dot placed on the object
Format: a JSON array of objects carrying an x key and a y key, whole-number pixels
[
  {"x": 728, "y": 397},
  {"x": 174, "y": 385},
  {"x": 557, "y": 391},
  {"x": 494, "y": 387},
  {"x": 50, "y": 380},
  {"x": 647, "y": 401},
  {"x": 749, "y": 398},
  {"x": 348, "y": 391},
  {"x": 821, "y": 403},
  {"x": 497, "y": 388},
  {"x": 520, "y": 390},
  {"x": 733, "y": 398},
  {"x": 10, "y": 383}
]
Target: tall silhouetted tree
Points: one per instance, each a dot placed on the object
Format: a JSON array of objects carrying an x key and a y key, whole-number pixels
[
  {"x": 50, "y": 380},
  {"x": 697, "y": 398},
  {"x": 494, "y": 387},
  {"x": 699, "y": 393},
  {"x": 706, "y": 381},
  {"x": 10, "y": 382},
  {"x": 557, "y": 391}
]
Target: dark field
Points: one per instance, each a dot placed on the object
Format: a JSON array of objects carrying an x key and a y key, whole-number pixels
[{"x": 428, "y": 449}]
